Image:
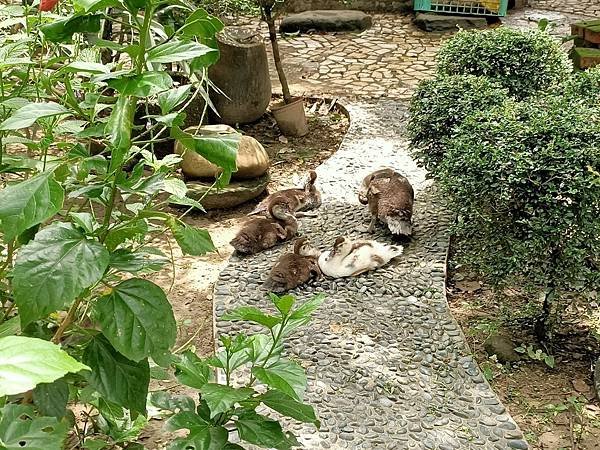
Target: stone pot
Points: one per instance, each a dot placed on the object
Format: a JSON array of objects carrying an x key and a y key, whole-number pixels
[
  {"x": 291, "y": 117},
  {"x": 242, "y": 74},
  {"x": 252, "y": 159}
]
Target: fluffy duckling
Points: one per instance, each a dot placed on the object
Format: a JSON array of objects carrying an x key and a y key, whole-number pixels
[
  {"x": 390, "y": 197},
  {"x": 294, "y": 269},
  {"x": 262, "y": 233},
  {"x": 298, "y": 200},
  {"x": 350, "y": 258}
]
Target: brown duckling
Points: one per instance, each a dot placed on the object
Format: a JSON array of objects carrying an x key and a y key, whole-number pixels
[
  {"x": 294, "y": 269},
  {"x": 390, "y": 197},
  {"x": 261, "y": 233},
  {"x": 298, "y": 200}
]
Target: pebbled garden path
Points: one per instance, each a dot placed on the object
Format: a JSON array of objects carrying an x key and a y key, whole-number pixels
[{"x": 387, "y": 364}]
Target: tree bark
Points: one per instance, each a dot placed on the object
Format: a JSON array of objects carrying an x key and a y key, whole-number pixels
[{"x": 267, "y": 11}]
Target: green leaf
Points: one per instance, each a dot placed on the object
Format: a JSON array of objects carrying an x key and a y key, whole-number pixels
[
  {"x": 138, "y": 320},
  {"x": 29, "y": 203},
  {"x": 170, "y": 99},
  {"x": 176, "y": 403},
  {"x": 284, "y": 375},
  {"x": 193, "y": 241},
  {"x": 549, "y": 360},
  {"x": 124, "y": 231},
  {"x": 218, "y": 148},
  {"x": 137, "y": 262},
  {"x": 119, "y": 127},
  {"x": 27, "y": 115},
  {"x": 202, "y": 435},
  {"x": 262, "y": 431},
  {"x": 51, "y": 398},
  {"x": 186, "y": 201},
  {"x": 93, "y": 5},
  {"x": 116, "y": 378},
  {"x": 284, "y": 304},
  {"x": 54, "y": 268},
  {"x": 63, "y": 30},
  {"x": 10, "y": 327},
  {"x": 252, "y": 314},
  {"x": 143, "y": 85},
  {"x": 21, "y": 429},
  {"x": 286, "y": 405},
  {"x": 221, "y": 398},
  {"x": 85, "y": 221},
  {"x": 26, "y": 362},
  {"x": 210, "y": 438},
  {"x": 177, "y": 51},
  {"x": 191, "y": 370},
  {"x": 308, "y": 307},
  {"x": 86, "y": 67}
]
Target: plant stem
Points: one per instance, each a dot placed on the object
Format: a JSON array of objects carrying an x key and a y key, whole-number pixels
[
  {"x": 267, "y": 11},
  {"x": 272, "y": 349},
  {"x": 67, "y": 320}
]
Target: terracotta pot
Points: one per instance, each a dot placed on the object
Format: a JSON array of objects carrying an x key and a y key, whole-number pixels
[{"x": 291, "y": 117}]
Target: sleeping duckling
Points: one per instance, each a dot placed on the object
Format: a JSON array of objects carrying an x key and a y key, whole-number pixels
[
  {"x": 262, "y": 233},
  {"x": 350, "y": 258},
  {"x": 390, "y": 197},
  {"x": 298, "y": 200},
  {"x": 294, "y": 269}
]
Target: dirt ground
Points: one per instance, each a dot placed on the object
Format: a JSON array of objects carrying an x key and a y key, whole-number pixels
[{"x": 555, "y": 407}]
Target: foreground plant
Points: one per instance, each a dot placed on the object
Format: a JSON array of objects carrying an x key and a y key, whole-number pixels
[
  {"x": 255, "y": 379},
  {"x": 79, "y": 322}
]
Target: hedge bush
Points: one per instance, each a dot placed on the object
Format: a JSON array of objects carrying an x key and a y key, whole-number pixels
[
  {"x": 584, "y": 86},
  {"x": 440, "y": 105},
  {"x": 525, "y": 62},
  {"x": 523, "y": 178}
]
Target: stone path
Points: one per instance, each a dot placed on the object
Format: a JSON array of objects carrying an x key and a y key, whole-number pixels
[{"x": 387, "y": 364}]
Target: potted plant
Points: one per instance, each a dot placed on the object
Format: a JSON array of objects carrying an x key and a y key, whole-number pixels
[{"x": 289, "y": 114}]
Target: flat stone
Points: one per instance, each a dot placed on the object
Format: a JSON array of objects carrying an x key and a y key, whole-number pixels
[
  {"x": 326, "y": 20},
  {"x": 439, "y": 22},
  {"x": 234, "y": 194}
]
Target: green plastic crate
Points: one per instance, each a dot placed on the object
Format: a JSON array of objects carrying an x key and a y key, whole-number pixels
[{"x": 495, "y": 8}]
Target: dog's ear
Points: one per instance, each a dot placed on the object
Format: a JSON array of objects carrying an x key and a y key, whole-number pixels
[{"x": 338, "y": 241}]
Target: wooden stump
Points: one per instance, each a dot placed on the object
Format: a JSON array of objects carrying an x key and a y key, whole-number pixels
[{"x": 242, "y": 73}]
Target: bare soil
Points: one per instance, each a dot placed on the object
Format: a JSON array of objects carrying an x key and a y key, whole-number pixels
[{"x": 556, "y": 407}]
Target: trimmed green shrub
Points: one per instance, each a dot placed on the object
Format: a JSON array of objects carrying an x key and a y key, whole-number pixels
[
  {"x": 523, "y": 178},
  {"x": 584, "y": 86},
  {"x": 525, "y": 62},
  {"x": 440, "y": 105}
]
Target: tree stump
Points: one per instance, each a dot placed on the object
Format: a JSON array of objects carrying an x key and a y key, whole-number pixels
[{"x": 242, "y": 74}]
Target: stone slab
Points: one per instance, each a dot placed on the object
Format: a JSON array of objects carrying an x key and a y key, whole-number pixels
[
  {"x": 440, "y": 22},
  {"x": 584, "y": 58},
  {"x": 327, "y": 21},
  {"x": 232, "y": 195}
]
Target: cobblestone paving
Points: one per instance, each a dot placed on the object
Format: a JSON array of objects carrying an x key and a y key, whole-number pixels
[
  {"x": 387, "y": 365},
  {"x": 391, "y": 58}
]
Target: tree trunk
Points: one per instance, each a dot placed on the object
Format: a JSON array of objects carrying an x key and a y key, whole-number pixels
[
  {"x": 544, "y": 326},
  {"x": 268, "y": 16}
]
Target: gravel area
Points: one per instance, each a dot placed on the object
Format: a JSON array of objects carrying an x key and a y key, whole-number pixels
[{"x": 388, "y": 366}]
